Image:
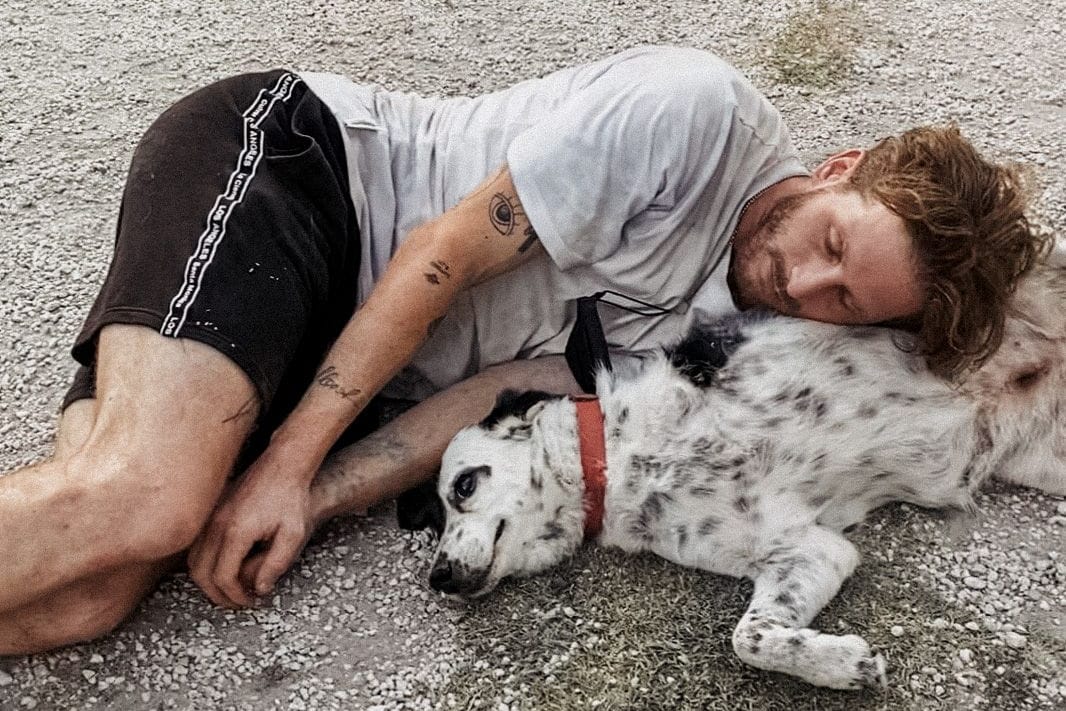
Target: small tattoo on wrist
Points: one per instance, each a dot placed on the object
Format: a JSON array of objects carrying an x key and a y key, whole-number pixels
[{"x": 327, "y": 378}]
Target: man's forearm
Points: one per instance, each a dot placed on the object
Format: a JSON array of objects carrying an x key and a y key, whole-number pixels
[
  {"x": 379, "y": 339},
  {"x": 407, "y": 451},
  {"x": 485, "y": 235}
]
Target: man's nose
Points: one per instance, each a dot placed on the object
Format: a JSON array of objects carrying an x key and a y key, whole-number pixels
[{"x": 806, "y": 280}]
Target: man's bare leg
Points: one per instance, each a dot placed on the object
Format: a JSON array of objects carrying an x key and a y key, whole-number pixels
[
  {"x": 91, "y": 604},
  {"x": 75, "y": 424},
  {"x": 85, "y": 609},
  {"x": 169, "y": 420}
]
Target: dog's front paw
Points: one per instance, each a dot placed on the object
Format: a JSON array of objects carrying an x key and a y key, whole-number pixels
[
  {"x": 842, "y": 662},
  {"x": 870, "y": 671}
]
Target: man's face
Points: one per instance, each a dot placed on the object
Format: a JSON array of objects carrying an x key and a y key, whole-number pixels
[{"x": 829, "y": 255}]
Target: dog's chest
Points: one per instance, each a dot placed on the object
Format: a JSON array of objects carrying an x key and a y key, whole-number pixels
[{"x": 678, "y": 490}]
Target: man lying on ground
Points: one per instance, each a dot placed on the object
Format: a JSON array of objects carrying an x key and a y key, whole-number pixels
[{"x": 289, "y": 246}]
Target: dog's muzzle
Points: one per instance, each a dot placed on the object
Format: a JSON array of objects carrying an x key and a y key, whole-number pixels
[{"x": 455, "y": 579}]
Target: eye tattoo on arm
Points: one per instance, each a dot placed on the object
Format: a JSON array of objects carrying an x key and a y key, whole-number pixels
[
  {"x": 327, "y": 378},
  {"x": 502, "y": 213}
]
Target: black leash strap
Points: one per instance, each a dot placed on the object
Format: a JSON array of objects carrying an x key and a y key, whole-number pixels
[{"x": 586, "y": 348}]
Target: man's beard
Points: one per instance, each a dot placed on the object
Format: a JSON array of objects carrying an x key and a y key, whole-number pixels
[{"x": 762, "y": 241}]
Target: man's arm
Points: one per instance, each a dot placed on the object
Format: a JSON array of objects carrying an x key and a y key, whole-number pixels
[
  {"x": 485, "y": 235},
  {"x": 407, "y": 451},
  {"x": 402, "y": 454}
]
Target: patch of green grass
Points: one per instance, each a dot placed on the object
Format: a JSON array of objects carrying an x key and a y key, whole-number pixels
[
  {"x": 611, "y": 631},
  {"x": 816, "y": 47}
]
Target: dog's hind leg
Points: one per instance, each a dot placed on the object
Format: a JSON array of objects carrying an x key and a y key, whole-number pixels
[{"x": 795, "y": 581}]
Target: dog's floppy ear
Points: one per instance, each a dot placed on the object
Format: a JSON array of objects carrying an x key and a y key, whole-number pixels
[
  {"x": 706, "y": 349},
  {"x": 513, "y": 414},
  {"x": 420, "y": 508}
]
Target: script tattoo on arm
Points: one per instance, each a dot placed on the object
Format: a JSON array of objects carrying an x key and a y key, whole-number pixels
[{"x": 327, "y": 378}]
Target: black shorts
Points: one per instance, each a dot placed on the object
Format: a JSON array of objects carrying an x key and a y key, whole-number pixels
[{"x": 236, "y": 230}]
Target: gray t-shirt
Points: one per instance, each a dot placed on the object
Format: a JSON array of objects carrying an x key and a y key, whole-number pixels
[{"x": 632, "y": 170}]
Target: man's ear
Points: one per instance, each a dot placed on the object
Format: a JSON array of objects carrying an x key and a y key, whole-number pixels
[{"x": 838, "y": 168}]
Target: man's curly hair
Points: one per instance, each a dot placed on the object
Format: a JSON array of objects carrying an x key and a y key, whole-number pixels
[{"x": 972, "y": 239}]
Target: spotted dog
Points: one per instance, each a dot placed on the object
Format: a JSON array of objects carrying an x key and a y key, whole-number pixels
[{"x": 754, "y": 466}]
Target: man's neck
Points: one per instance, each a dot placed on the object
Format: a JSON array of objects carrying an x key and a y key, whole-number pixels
[{"x": 758, "y": 206}]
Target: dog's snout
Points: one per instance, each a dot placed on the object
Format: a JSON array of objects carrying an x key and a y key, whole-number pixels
[
  {"x": 454, "y": 578},
  {"x": 441, "y": 578}
]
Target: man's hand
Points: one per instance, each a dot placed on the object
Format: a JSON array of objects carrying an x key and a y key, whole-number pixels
[{"x": 254, "y": 535}]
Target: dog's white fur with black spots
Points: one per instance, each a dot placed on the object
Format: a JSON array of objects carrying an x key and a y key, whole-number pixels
[{"x": 755, "y": 468}]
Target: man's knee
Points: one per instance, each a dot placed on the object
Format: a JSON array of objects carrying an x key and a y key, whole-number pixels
[
  {"x": 84, "y": 611},
  {"x": 144, "y": 509},
  {"x": 93, "y": 615}
]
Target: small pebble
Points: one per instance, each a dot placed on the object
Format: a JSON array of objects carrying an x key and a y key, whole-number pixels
[
  {"x": 1014, "y": 640},
  {"x": 896, "y": 631}
]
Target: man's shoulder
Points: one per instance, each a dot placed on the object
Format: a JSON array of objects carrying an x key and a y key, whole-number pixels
[
  {"x": 664, "y": 65},
  {"x": 694, "y": 82}
]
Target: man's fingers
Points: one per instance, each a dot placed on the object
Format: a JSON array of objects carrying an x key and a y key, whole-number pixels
[
  {"x": 226, "y": 574},
  {"x": 250, "y": 570},
  {"x": 201, "y": 562},
  {"x": 286, "y": 546}
]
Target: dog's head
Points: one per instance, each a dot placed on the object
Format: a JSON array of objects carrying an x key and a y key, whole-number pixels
[
  {"x": 1022, "y": 387},
  {"x": 512, "y": 505},
  {"x": 1030, "y": 363}
]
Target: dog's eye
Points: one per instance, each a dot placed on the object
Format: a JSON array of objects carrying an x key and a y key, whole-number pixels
[
  {"x": 466, "y": 481},
  {"x": 465, "y": 484}
]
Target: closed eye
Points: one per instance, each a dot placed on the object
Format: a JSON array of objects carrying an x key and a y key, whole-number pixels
[
  {"x": 834, "y": 247},
  {"x": 1027, "y": 379}
]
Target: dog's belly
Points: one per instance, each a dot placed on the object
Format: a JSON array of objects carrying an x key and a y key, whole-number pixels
[{"x": 728, "y": 533}]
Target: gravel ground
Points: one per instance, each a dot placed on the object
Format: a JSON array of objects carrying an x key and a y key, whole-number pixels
[{"x": 969, "y": 611}]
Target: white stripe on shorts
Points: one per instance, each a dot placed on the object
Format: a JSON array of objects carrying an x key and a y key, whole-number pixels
[{"x": 226, "y": 202}]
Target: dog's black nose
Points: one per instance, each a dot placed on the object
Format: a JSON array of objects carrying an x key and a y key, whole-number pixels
[{"x": 440, "y": 578}]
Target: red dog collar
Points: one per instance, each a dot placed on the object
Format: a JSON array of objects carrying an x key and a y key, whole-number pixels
[{"x": 593, "y": 451}]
